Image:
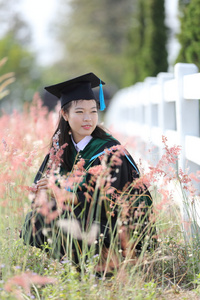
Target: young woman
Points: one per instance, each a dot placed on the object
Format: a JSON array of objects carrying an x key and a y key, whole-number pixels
[{"x": 108, "y": 179}]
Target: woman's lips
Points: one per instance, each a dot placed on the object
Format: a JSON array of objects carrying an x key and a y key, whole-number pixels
[{"x": 87, "y": 127}]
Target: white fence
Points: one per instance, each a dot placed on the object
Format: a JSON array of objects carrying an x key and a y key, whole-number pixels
[{"x": 164, "y": 105}]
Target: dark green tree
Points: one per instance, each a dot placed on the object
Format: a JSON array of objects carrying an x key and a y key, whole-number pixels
[
  {"x": 146, "y": 51},
  {"x": 189, "y": 36},
  {"x": 182, "y": 3}
]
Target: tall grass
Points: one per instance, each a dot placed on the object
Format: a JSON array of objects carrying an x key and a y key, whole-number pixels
[
  {"x": 31, "y": 273},
  {"x": 5, "y": 80}
]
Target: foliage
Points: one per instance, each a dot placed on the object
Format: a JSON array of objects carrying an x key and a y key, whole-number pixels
[
  {"x": 146, "y": 50},
  {"x": 189, "y": 36},
  {"x": 30, "y": 273},
  {"x": 15, "y": 39},
  {"x": 183, "y": 2},
  {"x": 12, "y": 21},
  {"x": 93, "y": 36},
  {"x": 23, "y": 63}
]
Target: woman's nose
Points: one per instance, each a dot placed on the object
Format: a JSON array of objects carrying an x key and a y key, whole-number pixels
[{"x": 87, "y": 117}]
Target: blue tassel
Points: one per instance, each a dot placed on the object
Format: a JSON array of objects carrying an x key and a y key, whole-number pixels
[{"x": 101, "y": 97}]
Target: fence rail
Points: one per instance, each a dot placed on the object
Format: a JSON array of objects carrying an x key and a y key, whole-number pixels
[{"x": 164, "y": 105}]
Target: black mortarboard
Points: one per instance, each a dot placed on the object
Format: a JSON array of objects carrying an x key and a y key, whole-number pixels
[{"x": 78, "y": 88}]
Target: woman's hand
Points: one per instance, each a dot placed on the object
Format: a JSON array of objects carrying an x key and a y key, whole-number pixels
[
  {"x": 71, "y": 198},
  {"x": 42, "y": 184}
]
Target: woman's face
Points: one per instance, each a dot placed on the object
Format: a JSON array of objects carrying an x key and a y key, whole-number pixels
[{"x": 82, "y": 118}]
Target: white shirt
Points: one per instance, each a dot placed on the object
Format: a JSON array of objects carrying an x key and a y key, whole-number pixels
[{"x": 82, "y": 144}]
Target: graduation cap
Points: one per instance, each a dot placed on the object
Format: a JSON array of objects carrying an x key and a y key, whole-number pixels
[{"x": 78, "y": 88}]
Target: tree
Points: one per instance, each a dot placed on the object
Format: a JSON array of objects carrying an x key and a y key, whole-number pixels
[
  {"x": 93, "y": 37},
  {"x": 146, "y": 51},
  {"x": 183, "y": 2},
  {"x": 22, "y": 63},
  {"x": 189, "y": 36},
  {"x": 14, "y": 42}
]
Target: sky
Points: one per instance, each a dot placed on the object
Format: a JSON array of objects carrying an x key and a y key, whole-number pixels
[{"x": 41, "y": 13}]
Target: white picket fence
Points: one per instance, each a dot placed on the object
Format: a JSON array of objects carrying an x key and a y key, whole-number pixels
[{"x": 164, "y": 105}]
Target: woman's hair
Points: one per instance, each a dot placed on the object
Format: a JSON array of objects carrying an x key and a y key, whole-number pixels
[{"x": 65, "y": 135}]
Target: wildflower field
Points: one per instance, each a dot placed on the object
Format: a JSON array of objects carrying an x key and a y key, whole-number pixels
[{"x": 170, "y": 271}]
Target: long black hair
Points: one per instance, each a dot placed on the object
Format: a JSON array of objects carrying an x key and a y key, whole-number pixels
[{"x": 65, "y": 135}]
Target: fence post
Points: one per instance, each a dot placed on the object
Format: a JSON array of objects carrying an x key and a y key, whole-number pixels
[
  {"x": 149, "y": 81},
  {"x": 165, "y": 115},
  {"x": 186, "y": 116},
  {"x": 185, "y": 112}
]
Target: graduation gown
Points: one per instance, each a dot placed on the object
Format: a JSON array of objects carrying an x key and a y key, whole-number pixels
[{"x": 124, "y": 173}]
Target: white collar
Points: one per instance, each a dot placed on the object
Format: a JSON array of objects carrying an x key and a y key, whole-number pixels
[{"x": 82, "y": 144}]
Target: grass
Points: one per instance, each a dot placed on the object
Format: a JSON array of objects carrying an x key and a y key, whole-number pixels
[{"x": 172, "y": 271}]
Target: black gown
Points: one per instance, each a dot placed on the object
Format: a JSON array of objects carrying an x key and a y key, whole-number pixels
[{"x": 122, "y": 174}]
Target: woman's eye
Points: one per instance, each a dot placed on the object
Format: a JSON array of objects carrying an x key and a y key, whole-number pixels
[
  {"x": 94, "y": 111},
  {"x": 79, "y": 112}
]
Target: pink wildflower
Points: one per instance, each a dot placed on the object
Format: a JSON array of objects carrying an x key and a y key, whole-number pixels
[
  {"x": 26, "y": 280},
  {"x": 166, "y": 199},
  {"x": 119, "y": 150},
  {"x": 116, "y": 161},
  {"x": 55, "y": 154},
  {"x": 171, "y": 154},
  {"x": 88, "y": 197},
  {"x": 194, "y": 177},
  {"x": 138, "y": 213},
  {"x": 110, "y": 190},
  {"x": 111, "y": 213},
  {"x": 79, "y": 165},
  {"x": 95, "y": 170}
]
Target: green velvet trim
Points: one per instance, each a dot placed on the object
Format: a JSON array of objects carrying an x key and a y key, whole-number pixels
[{"x": 88, "y": 152}]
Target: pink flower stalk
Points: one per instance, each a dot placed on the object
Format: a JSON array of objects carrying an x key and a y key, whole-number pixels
[
  {"x": 184, "y": 178},
  {"x": 44, "y": 206},
  {"x": 72, "y": 180},
  {"x": 55, "y": 154},
  {"x": 79, "y": 165},
  {"x": 119, "y": 150},
  {"x": 26, "y": 280},
  {"x": 194, "y": 177},
  {"x": 88, "y": 197},
  {"x": 111, "y": 213},
  {"x": 166, "y": 199},
  {"x": 95, "y": 170},
  {"x": 23, "y": 137},
  {"x": 110, "y": 190},
  {"x": 116, "y": 161}
]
